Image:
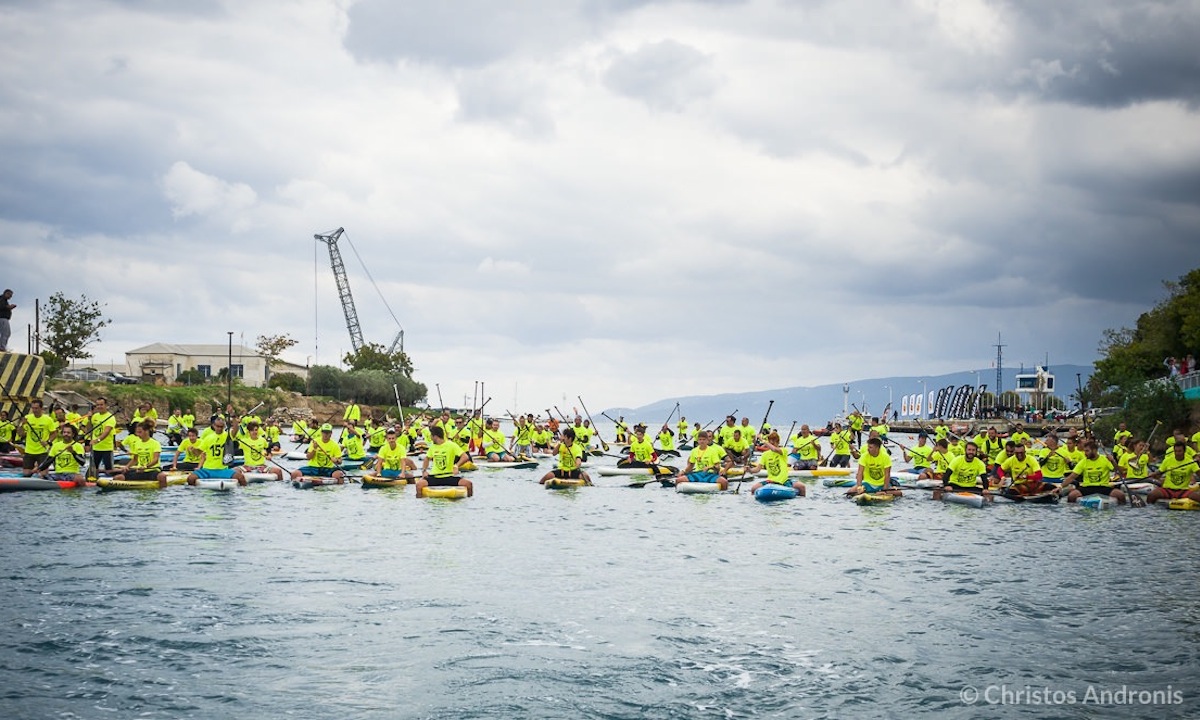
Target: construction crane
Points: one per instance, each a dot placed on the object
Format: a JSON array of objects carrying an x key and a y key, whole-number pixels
[{"x": 343, "y": 287}]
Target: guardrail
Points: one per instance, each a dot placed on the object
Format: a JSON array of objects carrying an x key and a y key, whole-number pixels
[{"x": 1191, "y": 381}]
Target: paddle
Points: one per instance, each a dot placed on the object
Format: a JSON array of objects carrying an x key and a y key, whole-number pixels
[
  {"x": 1157, "y": 424},
  {"x": 45, "y": 464},
  {"x": 667, "y": 479},
  {"x": 746, "y": 468},
  {"x": 595, "y": 429},
  {"x": 751, "y": 466},
  {"x": 396, "y": 390},
  {"x": 1134, "y": 500}
]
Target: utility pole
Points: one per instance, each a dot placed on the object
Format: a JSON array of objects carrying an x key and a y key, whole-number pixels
[{"x": 845, "y": 400}]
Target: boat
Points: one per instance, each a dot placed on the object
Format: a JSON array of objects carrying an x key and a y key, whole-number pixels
[
  {"x": 694, "y": 488},
  {"x": 555, "y": 483},
  {"x": 821, "y": 472},
  {"x": 874, "y": 498},
  {"x": 770, "y": 492},
  {"x": 509, "y": 464},
  {"x": 831, "y": 482},
  {"x": 19, "y": 484},
  {"x": 1183, "y": 504},
  {"x": 609, "y": 471},
  {"x": 110, "y": 484},
  {"x": 451, "y": 492},
  {"x": 218, "y": 484},
  {"x": 374, "y": 481},
  {"x": 1097, "y": 502},
  {"x": 308, "y": 483},
  {"x": 969, "y": 499}
]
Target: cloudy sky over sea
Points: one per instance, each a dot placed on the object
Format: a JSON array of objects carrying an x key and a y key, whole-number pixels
[{"x": 624, "y": 199}]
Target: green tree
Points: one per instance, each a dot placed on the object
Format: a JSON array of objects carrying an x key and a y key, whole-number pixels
[
  {"x": 287, "y": 381},
  {"x": 373, "y": 356},
  {"x": 1144, "y": 404},
  {"x": 191, "y": 376},
  {"x": 1170, "y": 329},
  {"x": 271, "y": 347},
  {"x": 325, "y": 380},
  {"x": 70, "y": 327}
]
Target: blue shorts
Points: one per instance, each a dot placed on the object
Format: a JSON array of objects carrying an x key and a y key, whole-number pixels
[
  {"x": 206, "y": 474},
  {"x": 1051, "y": 480},
  {"x": 872, "y": 488},
  {"x": 389, "y": 473},
  {"x": 317, "y": 471},
  {"x": 702, "y": 477}
]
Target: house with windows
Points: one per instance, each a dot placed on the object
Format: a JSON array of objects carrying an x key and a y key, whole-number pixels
[{"x": 169, "y": 360}]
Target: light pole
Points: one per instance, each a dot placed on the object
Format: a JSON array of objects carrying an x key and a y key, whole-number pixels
[
  {"x": 889, "y": 405},
  {"x": 845, "y": 400},
  {"x": 229, "y": 372},
  {"x": 924, "y": 406}
]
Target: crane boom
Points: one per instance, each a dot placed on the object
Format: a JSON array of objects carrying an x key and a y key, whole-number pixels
[{"x": 343, "y": 287}]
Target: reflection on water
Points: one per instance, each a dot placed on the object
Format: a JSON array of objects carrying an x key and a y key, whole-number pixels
[{"x": 599, "y": 602}]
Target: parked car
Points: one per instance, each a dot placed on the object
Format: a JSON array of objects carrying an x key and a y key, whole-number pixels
[
  {"x": 119, "y": 379},
  {"x": 79, "y": 374}
]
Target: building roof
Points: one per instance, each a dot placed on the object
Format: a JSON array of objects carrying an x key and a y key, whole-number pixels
[{"x": 214, "y": 350}]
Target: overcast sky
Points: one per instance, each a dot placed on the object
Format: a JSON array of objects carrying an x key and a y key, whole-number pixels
[{"x": 620, "y": 199}]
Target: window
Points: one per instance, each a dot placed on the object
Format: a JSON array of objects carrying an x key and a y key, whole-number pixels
[
  {"x": 205, "y": 370},
  {"x": 236, "y": 371}
]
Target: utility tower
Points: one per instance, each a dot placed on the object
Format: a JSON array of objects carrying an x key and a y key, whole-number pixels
[{"x": 999, "y": 367}]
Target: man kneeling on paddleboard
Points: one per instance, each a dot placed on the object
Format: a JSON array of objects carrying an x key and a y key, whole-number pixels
[
  {"x": 704, "y": 463},
  {"x": 775, "y": 459},
  {"x": 964, "y": 474},
  {"x": 874, "y": 471},
  {"x": 1023, "y": 473},
  {"x": 570, "y": 460}
]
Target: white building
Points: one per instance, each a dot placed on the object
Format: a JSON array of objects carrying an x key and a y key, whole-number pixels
[
  {"x": 168, "y": 361},
  {"x": 1035, "y": 385}
]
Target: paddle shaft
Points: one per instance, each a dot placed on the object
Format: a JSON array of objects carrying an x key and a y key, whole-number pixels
[
  {"x": 746, "y": 467},
  {"x": 396, "y": 389},
  {"x": 595, "y": 429}
]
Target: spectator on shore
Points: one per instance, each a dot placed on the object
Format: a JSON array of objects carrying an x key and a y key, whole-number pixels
[
  {"x": 1172, "y": 368},
  {"x": 1187, "y": 365}
]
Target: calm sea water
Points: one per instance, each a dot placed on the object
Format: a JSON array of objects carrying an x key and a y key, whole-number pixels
[{"x": 606, "y": 602}]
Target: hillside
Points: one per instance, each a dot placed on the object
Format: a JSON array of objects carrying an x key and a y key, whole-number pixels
[{"x": 816, "y": 405}]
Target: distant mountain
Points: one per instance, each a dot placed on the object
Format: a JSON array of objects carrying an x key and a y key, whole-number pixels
[{"x": 816, "y": 405}]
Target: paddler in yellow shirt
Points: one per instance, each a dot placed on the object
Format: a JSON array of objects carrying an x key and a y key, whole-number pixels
[
  {"x": 964, "y": 474},
  {"x": 1091, "y": 476},
  {"x": 324, "y": 456},
  {"x": 806, "y": 450},
  {"x": 1023, "y": 473},
  {"x": 442, "y": 463},
  {"x": 775, "y": 459},
  {"x": 392, "y": 460},
  {"x": 874, "y": 471},
  {"x": 839, "y": 441},
  {"x": 1055, "y": 462},
  {"x": 1178, "y": 471},
  {"x": 705, "y": 462},
  {"x": 939, "y": 461},
  {"x": 570, "y": 459}
]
